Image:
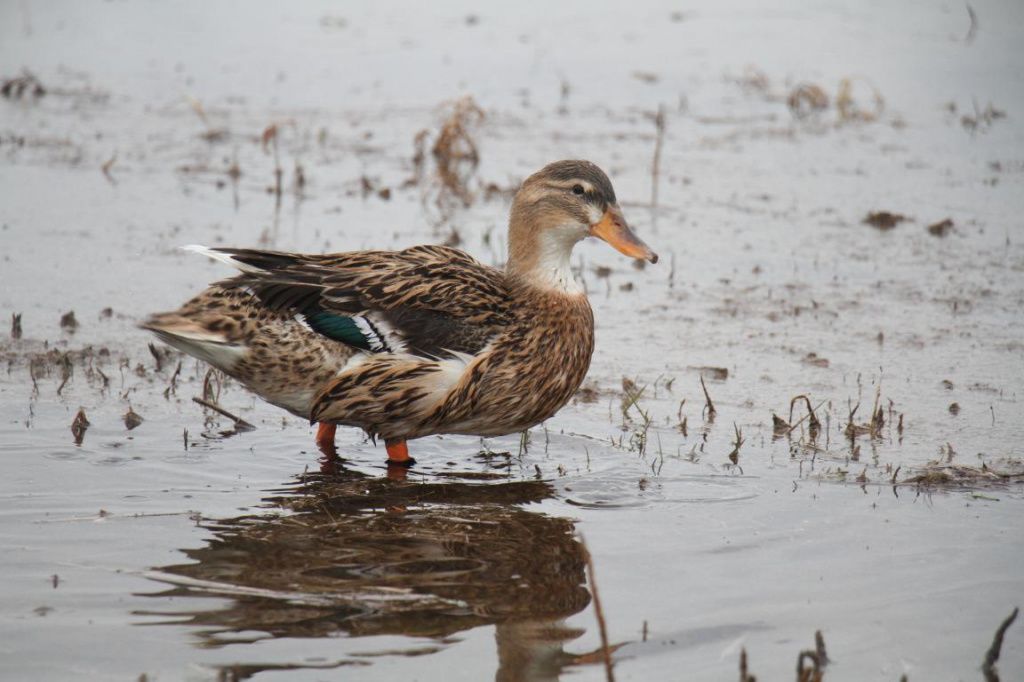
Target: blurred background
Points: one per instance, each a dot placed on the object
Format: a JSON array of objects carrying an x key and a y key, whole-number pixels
[{"x": 836, "y": 191}]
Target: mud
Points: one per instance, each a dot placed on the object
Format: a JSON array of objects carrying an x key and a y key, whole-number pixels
[{"x": 146, "y": 534}]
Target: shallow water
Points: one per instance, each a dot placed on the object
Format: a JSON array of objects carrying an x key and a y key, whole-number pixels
[{"x": 182, "y": 550}]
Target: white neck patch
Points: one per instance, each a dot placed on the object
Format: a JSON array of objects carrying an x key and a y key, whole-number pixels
[{"x": 554, "y": 249}]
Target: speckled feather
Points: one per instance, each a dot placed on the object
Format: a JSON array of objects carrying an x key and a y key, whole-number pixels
[
  {"x": 485, "y": 354},
  {"x": 527, "y": 372},
  {"x": 436, "y": 298}
]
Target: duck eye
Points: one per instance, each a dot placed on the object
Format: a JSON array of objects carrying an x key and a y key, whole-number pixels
[{"x": 577, "y": 190}]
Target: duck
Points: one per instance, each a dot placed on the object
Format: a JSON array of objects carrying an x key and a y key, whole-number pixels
[{"x": 426, "y": 340}]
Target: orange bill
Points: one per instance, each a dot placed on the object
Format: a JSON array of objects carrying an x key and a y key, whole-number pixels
[{"x": 613, "y": 229}]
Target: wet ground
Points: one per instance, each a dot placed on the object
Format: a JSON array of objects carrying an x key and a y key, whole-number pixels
[{"x": 182, "y": 549}]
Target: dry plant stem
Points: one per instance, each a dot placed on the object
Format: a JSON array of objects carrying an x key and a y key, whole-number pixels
[
  {"x": 734, "y": 456},
  {"x": 659, "y": 124},
  {"x": 809, "y": 414},
  {"x": 972, "y": 30},
  {"x": 819, "y": 646},
  {"x": 156, "y": 356},
  {"x": 81, "y": 424},
  {"x": 992, "y": 655},
  {"x": 174, "y": 377},
  {"x": 818, "y": 659},
  {"x": 269, "y": 139},
  {"x": 454, "y": 151},
  {"x": 710, "y": 406},
  {"x": 208, "y": 385},
  {"x": 814, "y": 418},
  {"x": 239, "y": 422},
  {"x": 877, "y": 418},
  {"x": 601, "y": 625},
  {"x": 745, "y": 676}
]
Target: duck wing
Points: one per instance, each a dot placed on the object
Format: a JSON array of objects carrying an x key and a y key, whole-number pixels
[{"x": 430, "y": 301}]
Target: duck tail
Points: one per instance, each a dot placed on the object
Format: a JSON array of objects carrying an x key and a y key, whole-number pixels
[{"x": 193, "y": 338}]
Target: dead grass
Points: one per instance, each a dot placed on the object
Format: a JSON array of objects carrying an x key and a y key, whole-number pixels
[
  {"x": 68, "y": 321},
  {"x": 132, "y": 419},
  {"x": 21, "y": 87},
  {"x": 980, "y": 119},
  {"x": 79, "y": 426},
  {"x": 941, "y": 228},
  {"x": 810, "y": 663},
  {"x": 630, "y": 400},
  {"x": 781, "y": 427},
  {"x": 268, "y": 140},
  {"x": 872, "y": 427},
  {"x": 455, "y": 156},
  {"x": 807, "y": 99},
  {"x": 884, "y": 220},
  {"x": 859, "y": 100},
  {"x": 737, "y": 443},
  {"x": 709, "y": 407},
  {"x": 659, "y": 140},
  {"x": 944, "y": 474}
]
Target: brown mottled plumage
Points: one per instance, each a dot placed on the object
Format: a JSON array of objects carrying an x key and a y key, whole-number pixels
[{"x": 404, "y": 344}]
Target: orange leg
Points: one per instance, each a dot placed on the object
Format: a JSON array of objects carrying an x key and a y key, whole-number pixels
[
  {"x": 325, "y": 434},
  {"x": 398, "y": 453},
  {"x": 325, "y": 443}
]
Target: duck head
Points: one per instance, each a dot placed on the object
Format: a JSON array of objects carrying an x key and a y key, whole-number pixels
[{"x": 555, "y": 208}]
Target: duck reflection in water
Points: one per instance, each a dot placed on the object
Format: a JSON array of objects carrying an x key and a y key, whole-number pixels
[{"x": 347, "y": 553}]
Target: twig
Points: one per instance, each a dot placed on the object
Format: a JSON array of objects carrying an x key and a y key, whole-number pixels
[
  {"x": 988, "y": 667},
  {"x": 601, "y": 626},
  {"x": 239, "y": 422}
]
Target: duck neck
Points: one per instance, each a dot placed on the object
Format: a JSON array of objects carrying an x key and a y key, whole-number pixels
[{"x": 540, "y": 257}]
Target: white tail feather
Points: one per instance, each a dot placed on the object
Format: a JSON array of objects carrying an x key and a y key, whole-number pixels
[{"x": 218, "y": 255}]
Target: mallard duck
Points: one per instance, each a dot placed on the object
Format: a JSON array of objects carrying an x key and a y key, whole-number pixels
[{"x": 427, "y": 340}]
